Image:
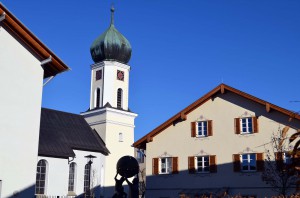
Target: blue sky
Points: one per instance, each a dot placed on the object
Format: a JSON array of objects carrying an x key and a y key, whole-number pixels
[{"x": 181, "y": 50}]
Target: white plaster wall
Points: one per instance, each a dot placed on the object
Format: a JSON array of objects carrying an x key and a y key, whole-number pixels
[
  {"x": 109, "y": 83},
  {"x": 21, "y": 78},
  {"x": 58, "y": 173},
  {"x": 177, "y": 141},
  {"x": 113, "y": 122}
]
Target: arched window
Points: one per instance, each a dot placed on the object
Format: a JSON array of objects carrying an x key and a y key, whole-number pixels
[
  {"x": 87, "y": 177},
  {"x": 72, "y": 171},
  {"x": 97, "y": 98},
  {"x": 119, "y": 98},
  {"x": 41, "y": 176}
]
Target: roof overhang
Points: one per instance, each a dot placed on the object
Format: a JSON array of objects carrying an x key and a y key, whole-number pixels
[
  {"x": 222, "y": 88},
  {"x": 13, "y": 25}
]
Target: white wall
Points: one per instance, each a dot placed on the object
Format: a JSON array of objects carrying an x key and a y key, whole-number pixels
[
  {"x": 58, "y": 173},
  {"x": 21, "y": 78}
]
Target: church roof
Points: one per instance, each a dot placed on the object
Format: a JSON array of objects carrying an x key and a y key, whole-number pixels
[
  {"x": 111, "y": 45},
  {"x": 61, "y": 132},
  {"x": 222, "y": 88},
  {"x": 40, "y": 50}
]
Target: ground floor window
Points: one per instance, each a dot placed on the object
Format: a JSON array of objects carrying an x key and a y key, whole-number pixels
[{"x": 41, "y": 172}]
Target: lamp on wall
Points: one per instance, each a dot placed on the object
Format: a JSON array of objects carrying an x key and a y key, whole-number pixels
[{"x": 89, "y": 163}]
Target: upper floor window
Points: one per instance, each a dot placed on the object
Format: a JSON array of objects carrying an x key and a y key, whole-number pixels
[
  {"x": 165, "y": 165},
  {"x": 41, "y": 176},
  {"x": 120, "y": 137},
  {"x": 246, "y": 125},
  {"x": 72, "y": 171},
  {"x": 248, "y": 162},
  {"x": 201, "y": 128},
  {"x": 119, "y": 98},
  {"x": 202, "y": 164},
  {"x": 140, "y": 156},
  {"x": 87, "y": 178},
  {"x": 99, "y": 75}
]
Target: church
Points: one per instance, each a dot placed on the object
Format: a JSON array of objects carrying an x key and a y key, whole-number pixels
[{"x": 54, "y": 153}]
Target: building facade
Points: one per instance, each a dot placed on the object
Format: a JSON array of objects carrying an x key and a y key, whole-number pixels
[
  {"x": 24, "y": 62},
  {"x": 218, "y": 147}
]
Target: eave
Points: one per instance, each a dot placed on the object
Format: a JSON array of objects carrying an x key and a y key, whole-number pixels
[
  {"x": 13, "y": 25},
  {"x": 221, "y": 89}
]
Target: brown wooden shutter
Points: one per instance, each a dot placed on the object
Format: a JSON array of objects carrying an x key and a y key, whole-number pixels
[
  {"x": 192, "y": 164},
  {"x": 175, "y": 165},
  {"x": 155, "y": 166},
  {"x": 212, "y": 164},
  {"x": 236, "y": 163},
  {"x": 260, "y": 164},
  {"x": 209, "y": 128},
  {"x": 255, "y": 124},
  {"x": 193, "y": 129},
  {"x": 237, "y": 125}
]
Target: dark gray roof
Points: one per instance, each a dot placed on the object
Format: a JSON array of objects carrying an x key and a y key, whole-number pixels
[{"x": 61, "y": 132}]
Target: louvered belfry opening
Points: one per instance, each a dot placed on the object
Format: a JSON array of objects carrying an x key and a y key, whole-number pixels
[{"x": 119, "y": 98}]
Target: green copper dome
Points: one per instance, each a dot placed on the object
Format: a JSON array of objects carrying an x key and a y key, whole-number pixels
[{"x": 111, "y": 45}]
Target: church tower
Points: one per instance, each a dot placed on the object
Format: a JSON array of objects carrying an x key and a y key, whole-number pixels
[{"x": 108, "y": 113}]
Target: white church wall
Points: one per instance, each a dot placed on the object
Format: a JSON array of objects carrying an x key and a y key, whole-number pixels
[
  {"x": 58, "y": 173},
  {"x": 21, "y": 80}
]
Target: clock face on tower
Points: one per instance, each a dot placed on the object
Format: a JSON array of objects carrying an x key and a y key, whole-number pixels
[{"x": 120, "y": 75}]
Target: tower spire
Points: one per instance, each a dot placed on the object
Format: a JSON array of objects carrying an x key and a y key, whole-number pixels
[{"x": 112, "y": 10}]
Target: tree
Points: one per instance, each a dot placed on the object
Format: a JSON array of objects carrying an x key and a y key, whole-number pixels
[{"x": 279, "y": 171}]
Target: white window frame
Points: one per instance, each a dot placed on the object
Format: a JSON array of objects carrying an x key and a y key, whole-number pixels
[
  {"x": 248, "y": 162},
  {"x": 168, "y": 165},
  {"x": 46, "y": 177},
  {"x": 74, "y": 177},
  {"x": 248, "y": 126},
  {"x": 204, "y": 129},
  {"x": 202, "y": 164}
]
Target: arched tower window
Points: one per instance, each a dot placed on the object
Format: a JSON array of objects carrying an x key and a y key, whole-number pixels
[
  {"x": 41, "y": 175},
  {"x": 119, "y": 98},
  {"x": 87, "y": 177},
  {"x": 120, "y": 137},
  {"x": 72, "y": 172},
  {"x": 98, "y": 98}
]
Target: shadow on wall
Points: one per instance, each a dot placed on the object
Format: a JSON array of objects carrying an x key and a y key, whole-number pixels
[
  {"x": 26, "y": 193},
  {"x": 225, "y": 179}
]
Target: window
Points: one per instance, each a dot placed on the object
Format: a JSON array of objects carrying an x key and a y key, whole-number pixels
[
  {"x": 165, "y": 165},
  {"x": 99, "y": 75},
  {"x": 120, "y": 137},
  {"x": 87, "y": 175},
  {"x": 201, "y": 128},
  {"x": 97, "y": 98},
  {"x": 72, "y": 170},
  {"x": 287, "y": 158},
  {"x": 41, "y": 172},
  {"x": 202, "y": 164},
  {"x": 120, "y": 75},
  {"x": 119, "y": 98},
  {"x": 140, "y": 156},
  {"x": 248, "y": 162},
  {"x": 246, "y": 125}
]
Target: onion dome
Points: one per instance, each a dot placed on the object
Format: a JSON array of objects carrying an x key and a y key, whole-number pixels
[{"x": 111, "y": 45}]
